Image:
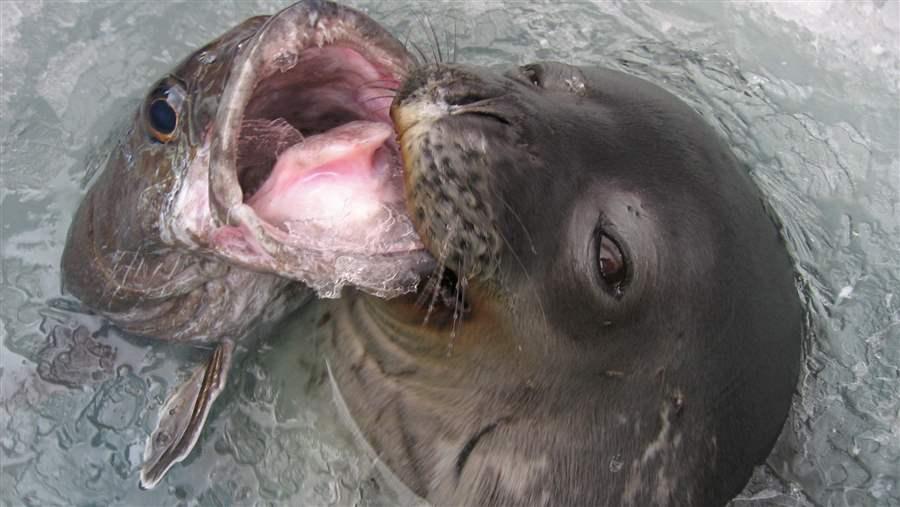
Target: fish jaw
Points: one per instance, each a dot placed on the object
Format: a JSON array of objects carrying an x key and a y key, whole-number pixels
[{"x": 324, "y": 205}]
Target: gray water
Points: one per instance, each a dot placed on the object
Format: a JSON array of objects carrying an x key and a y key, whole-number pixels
[{"x": 807, "y": 94}]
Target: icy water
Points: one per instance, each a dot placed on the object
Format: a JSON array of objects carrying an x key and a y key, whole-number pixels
[{"x": 807, "y": 93}]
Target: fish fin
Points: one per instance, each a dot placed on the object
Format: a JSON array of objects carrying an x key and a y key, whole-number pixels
[{"x": 182, "y": 417}]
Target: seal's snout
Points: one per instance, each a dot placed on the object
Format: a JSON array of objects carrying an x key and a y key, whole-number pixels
[{"x": 455, "y": 130}]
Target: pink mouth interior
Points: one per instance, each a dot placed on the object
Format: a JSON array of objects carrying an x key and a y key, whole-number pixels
[{"x": 317, "y": 158}]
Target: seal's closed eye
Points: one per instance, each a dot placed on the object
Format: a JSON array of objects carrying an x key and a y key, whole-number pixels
[
  {"x": 532, "y": 72},
  {"x": 554, "y": 76}
]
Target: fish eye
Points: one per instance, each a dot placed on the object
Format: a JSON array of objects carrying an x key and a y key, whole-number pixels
[
  {"x": 163, "y": 117},
  {"x": 612, "y": 265},
  {"x": 162, "y": 111}
]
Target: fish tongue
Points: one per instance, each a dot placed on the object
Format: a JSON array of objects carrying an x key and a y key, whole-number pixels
[{"x": 331, "y": 179}]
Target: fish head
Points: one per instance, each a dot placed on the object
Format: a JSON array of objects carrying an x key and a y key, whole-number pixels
[
  {"x": 266, "y": 157},
  {"x": 298, "y": 172},
  {"x": 270, "y": 149}
]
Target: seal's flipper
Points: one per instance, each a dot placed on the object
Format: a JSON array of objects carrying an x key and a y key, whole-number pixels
[{"x": 182, "y": 417}]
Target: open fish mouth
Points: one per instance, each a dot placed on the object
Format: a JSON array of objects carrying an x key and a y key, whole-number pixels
[{"x": 300, "y": 173}]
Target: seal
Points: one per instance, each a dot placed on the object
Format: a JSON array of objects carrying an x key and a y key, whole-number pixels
[{"x": 613, "y": 319}]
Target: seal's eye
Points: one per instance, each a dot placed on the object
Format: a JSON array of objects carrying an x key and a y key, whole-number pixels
[
  {"x": 162, "y": 111},
  {"x": 611, "y": 263}
]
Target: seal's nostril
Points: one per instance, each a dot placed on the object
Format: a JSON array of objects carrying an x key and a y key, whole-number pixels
[
  {"x": 465, "y": 98},
  {"x": 489, "y": 114}
]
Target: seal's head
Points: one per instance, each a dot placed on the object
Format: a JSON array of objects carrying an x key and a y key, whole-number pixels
[{"x": 626, "y": 328}]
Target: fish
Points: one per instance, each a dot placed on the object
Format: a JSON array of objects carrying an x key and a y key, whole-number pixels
[{"x": 260, "y": 172}]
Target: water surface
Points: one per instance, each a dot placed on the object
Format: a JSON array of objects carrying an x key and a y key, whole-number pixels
[{"x": 808, "y": 94}]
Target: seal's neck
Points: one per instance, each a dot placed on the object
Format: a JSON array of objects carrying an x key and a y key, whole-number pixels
[
  {"x": 451, "y": 333},
  {"x": 421, "y": 397}
]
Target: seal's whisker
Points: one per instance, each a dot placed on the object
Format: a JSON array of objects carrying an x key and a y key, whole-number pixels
[
  {"x": 518, "y": 219},
  {"x": 435, "y": 290},
  {"x": 455, "y": 45},
  {"x": 391, "y": 92},
  {"x": 431, "y": 286},
  {"x": 459, "y": 300},
  {"x": 423, "y": 20},
  {"x": 390, "y": 89},
  {"x": 439, "y": 56},
  {"x": 515, "y": 255},
  {"x": 433, "y": 279},
  {"x": 428, "y": 288},
  {"x": 456, "y": 324},
  {"x": 415, "y": 46},
  {"x": 518, "y": 260},
  {"x": 442, "y": 265},
  {"x": 378, "y": 97},
  {"x": 406, "y": 42}
]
